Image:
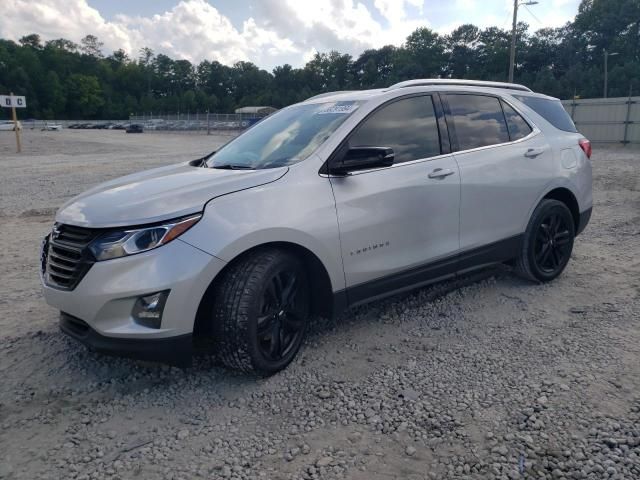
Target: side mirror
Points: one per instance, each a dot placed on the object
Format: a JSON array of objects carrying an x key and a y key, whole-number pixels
[{"x": 362, "y": 158}]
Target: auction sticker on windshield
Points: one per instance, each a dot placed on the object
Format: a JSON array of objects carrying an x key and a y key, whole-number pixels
[{"x": 338, "y": 107}]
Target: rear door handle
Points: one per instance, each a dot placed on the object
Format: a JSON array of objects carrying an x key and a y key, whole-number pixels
[
  {"x": 439, "y": 173},
  {"x": 533, "y": 152}
]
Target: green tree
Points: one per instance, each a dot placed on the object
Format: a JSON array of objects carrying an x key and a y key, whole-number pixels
[
  {"x": 85, "y": 98},
  {"x": 63, "y": 79},
  {"x": 53, "y": 97},
  {"x": 461, "y": 46},
  {"x": 33, "y": 40},
  {"x": 426, "y": 53},
  {"x": 118, "y": 58},
  {"x": 91, "y": 46},
  {"x": 62, "y": 44}
]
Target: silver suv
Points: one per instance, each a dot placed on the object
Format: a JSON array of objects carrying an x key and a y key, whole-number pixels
[{"x": 336, "y": 201}]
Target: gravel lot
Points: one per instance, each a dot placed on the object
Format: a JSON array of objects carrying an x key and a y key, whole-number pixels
[{"x": 498, "y": 378}]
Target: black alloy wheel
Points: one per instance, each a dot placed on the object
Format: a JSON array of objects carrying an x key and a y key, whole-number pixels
[
  {"x": 553, "y": 243},
  {"x": 281, "y": 323},
  {"x": 547, "y": 243},
  {"x": 261, "y": 309}
]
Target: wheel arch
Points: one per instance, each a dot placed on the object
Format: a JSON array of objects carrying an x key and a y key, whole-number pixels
[
  {"x": 566, "y": 196},
  {"x": 322, "y": 298},
  {"x": 564, "y": 192}
]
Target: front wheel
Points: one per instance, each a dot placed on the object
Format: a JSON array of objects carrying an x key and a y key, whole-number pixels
[
  {"x": 548, "y": 242},
  {"x": 261, "y": 311}
]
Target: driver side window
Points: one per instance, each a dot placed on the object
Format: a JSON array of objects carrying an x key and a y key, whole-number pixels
[{"x": 408, "y": 125}]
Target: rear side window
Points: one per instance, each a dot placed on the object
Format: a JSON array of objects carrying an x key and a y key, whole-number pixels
[
  {"x": 551, "y": 110},
  {"x": 518, "y": 127},
  {"x": 409, "y": 126},
  {"x": 478, "y": 120}
]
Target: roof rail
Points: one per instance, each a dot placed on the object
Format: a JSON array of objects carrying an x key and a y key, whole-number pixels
[
  {"x": 458, "y": 83},
  {"x": 328, "y": 94}
]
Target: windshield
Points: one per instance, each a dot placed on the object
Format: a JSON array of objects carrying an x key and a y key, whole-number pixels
[{"x": 284, "y": 138}]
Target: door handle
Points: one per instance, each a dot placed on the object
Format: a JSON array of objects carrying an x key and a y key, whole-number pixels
[
  {"x": 439, "y": 173},
  {"x": 533, "y": 152}
]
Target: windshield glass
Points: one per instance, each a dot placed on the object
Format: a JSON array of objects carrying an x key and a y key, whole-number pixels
[{"x": 284, "y": 138}]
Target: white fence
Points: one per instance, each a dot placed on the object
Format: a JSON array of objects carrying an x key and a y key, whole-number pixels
[{"x": 607, "y": 120}]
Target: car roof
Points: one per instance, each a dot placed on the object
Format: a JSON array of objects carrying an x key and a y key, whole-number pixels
[{"x": 438, "y": 84}]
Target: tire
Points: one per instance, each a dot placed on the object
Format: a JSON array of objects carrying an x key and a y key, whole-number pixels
[
  {"x": 548, "y": 242},
  {"x": 261, "y": 312}
]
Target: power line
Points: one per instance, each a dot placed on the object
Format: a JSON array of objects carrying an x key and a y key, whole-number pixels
[{"x": 531, "y": 13}]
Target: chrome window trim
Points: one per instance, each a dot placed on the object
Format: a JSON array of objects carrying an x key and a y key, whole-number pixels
[
  {"x": 523, "y": 115},
  {"x": 395, "y": 165},
  {"x": 534, "y": 132},
  {"x": 534, "y": 128},
  {"x": 427, "y": 93}
]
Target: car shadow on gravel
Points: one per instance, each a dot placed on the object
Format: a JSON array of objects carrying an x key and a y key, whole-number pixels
[{"x": 83, "y": 372}]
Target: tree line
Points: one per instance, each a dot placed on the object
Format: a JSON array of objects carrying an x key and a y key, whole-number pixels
[{"x": 62, "y": 79}]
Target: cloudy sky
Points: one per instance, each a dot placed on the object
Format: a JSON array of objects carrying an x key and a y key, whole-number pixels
[{"x": 266, "y": 32}]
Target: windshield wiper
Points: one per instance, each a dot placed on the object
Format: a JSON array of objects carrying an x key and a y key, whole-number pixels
[{"x": 233, "y": 166}]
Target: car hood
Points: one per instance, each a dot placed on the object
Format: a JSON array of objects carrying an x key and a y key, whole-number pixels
[{"x": 158, "y": 194}]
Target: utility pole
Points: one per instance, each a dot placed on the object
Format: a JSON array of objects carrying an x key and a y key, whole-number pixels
[
  {"x": 512, "y": 55},
  {"x": 514, "y": 24},
  {"x": 606, "y": 70}
]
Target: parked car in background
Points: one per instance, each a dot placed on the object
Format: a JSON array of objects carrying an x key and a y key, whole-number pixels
[
  {"x": 339, "y": 200},
  {"x": 52, "y": 126},
  {"x": 9, "y": 126},
  {"x": 135, "y": 128}
]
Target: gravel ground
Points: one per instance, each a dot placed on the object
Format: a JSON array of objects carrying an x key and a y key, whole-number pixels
[{"x": 487, "y": 377}]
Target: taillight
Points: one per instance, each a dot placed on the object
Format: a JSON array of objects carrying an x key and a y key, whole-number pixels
[{"x": 585, "y": 145}]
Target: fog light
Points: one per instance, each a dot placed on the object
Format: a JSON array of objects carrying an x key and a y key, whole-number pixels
[{"x": 147, "y": 310}]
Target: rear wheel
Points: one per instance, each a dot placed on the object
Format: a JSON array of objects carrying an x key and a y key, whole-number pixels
[
  {"x": 548, "y": 242},
  {"x": 261, "y": 310}
]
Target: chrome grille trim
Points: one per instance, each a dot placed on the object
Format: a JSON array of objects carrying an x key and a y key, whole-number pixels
[{"x": 67, "y": 257}]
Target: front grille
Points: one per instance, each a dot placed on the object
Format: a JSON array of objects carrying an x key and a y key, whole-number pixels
[{"x": 68, "y": 257}]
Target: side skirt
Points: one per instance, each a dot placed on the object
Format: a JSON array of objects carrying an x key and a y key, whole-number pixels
[{"x": 427, "y": 274}]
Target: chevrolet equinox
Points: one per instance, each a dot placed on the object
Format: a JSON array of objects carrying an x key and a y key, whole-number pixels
[{"x": 342, "y": 199}]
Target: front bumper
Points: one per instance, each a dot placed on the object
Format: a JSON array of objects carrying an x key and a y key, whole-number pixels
[
  {"x": 104, "y": 299},
  {"x": 172, "y": 350}
]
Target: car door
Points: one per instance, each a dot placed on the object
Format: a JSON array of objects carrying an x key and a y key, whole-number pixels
[
  {"x": 502, "y": 161},
  {"x": 399, "y": 225}
]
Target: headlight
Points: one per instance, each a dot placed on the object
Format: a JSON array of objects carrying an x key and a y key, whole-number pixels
[{"x": 120, "y": 243}]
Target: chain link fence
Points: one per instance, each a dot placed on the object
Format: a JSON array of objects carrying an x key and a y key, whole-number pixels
[
  {"x": 217, "y": 123},
  {"x": 32, "y": 124},
  {"x": 601, "y": 120},
  {"x": 205, "y": 122},
  {"x": 607, "y": 120}
]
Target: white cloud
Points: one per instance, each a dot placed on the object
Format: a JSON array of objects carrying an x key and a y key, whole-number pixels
[
  {"x": 192, "y": 30},
  {"x": 344, "y": 25},
  {"x": 309, "y": 54},
  {"x": 395, "y": 10},
  {"x": 71, "y": 19},
  {"x": 195, "y": 30},
  {"x": 274, "y": 32}
]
